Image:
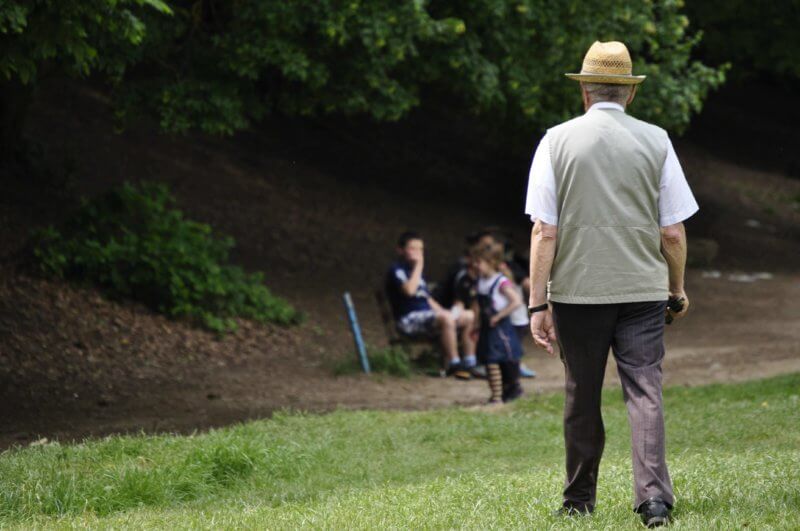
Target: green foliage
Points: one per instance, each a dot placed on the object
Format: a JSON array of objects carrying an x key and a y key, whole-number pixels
[
  {"x": 756, "y": 37},
  {"x": 133, "y": 243},
  {"x": 530, "y": 45},
  {"x": 390, "y": 360},
  {"x": 500, "y": 58},
  {"x": 219, "y": 66},
  {"x": 239, "y": 61},
  {"x": 733, "y": 455},
  {"x": 78, "y": 35}
]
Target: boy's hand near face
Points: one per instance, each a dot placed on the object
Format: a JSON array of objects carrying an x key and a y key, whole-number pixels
[
  {"x": 413, "y": 253},
  {"x": 417, "y": 257}
]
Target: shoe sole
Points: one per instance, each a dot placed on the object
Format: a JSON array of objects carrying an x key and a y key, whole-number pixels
[
  {"x": 657, "y": 521},
  {"x": 570, "y": 514}
]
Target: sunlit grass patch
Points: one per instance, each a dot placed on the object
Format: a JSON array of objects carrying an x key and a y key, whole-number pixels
[{"x": 734, "y": 453}]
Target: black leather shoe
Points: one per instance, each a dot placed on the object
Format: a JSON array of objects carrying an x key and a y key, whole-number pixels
[
  {"x": 512, "y": 393},
  {"x": 654, "y": 512},
  {"x": 458, "y": 371},
  {"x": 573, "y": 510}
]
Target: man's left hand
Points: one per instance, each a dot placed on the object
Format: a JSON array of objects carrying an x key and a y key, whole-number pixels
[{"x": 684, "y": 305}]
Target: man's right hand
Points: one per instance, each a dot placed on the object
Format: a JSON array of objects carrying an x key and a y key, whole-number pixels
[
  {"x": 543, "y": 330},
  {"x": 678, "y": 296}
]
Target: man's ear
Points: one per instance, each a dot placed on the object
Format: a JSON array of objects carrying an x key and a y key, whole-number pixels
[
  {"x": 633, "y": 94},
  {"x": 585, "y": 97}
]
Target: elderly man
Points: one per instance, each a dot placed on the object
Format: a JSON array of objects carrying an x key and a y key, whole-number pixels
[{"x": 608, "y": 197}]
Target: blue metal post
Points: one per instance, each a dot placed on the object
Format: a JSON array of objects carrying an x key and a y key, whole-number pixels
[{"x": 351, "y": 316}]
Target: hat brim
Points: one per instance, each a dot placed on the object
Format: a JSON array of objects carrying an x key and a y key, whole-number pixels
[{"x": 607, "y": 78}]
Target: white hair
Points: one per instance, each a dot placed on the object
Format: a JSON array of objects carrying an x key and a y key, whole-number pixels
[{"x": 608, "y": 92}]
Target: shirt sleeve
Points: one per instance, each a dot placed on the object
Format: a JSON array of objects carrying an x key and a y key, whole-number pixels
[
  {"x": 675, "y": 200},
  {"x": 541, "y": 202},
  {"x": 399, "y": 275},
  {"x": 504, "y": 282}
]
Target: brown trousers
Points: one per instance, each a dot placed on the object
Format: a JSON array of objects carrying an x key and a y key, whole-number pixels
[{"x": 635, "y": 333}]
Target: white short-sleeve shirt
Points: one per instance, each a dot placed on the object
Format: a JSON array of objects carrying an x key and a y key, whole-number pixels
[{"x": 675, "y": 200}]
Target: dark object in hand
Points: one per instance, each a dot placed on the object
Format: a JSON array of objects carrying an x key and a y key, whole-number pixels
[{"x": 674, "y": 305}]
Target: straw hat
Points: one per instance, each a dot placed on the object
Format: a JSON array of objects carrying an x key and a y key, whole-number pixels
[{"x": 607, "y": 62}]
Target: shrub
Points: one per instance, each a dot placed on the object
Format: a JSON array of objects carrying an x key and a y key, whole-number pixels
[
  {"x": 132, "y": 243},
  {"x": 389, "y": 360}
]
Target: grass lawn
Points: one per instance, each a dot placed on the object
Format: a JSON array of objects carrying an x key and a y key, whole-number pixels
[{"x": 734, "y": 454}]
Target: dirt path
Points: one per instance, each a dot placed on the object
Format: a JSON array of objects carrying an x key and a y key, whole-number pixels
[{"x": 709, "y": 346}]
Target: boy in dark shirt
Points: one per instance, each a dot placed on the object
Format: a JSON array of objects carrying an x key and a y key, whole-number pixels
[
  {"x": 418, "y": 314},
  {"x": 457, "y": 287}
]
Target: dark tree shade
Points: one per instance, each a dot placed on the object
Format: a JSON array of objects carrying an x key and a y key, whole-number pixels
[
  {"x": 757, "y": 38},
  {"x": 52, "y": 37}
]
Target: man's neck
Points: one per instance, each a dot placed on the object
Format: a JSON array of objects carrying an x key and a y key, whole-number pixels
[{"x": 606, "y": 105}]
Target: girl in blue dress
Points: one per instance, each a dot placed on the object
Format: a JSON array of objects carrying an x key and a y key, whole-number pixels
[{"x": 499, "y": 347}]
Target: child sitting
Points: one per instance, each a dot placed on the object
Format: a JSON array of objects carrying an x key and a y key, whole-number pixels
[
  {"x": 418, "y": 314},
  {"x": 499, "y": 347}
]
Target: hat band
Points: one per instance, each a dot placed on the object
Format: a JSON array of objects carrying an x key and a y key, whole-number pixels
[{"x": 605, "y": 66}]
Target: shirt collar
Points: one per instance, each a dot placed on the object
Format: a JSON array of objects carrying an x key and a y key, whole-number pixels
[{"x": 607, "y": 105}]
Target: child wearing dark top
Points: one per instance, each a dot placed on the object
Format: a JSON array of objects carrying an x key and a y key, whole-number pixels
[
  {"x": 458, "y": 285},
  {"x": 499, "y": 347},
  {"x": 418, "y": 314}
]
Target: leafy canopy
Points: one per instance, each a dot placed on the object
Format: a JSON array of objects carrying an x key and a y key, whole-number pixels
[
  {"x": 78, "y": 35},
  {"x": 503, "y": 59},
  {"x": 219, "y": 66}
]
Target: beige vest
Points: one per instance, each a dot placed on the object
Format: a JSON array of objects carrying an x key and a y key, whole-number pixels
[{"x": 607, "y": 167}]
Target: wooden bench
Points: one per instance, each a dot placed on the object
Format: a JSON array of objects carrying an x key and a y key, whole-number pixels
[{"x": 393, "y": 336}]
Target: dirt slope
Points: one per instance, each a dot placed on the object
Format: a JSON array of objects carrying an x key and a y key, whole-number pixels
[{"x": 75, "y": 364}]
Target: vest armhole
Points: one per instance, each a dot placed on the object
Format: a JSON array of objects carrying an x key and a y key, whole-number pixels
[
  {"x": 556, "y": 180},
  {"x": 664, "y": 160}
]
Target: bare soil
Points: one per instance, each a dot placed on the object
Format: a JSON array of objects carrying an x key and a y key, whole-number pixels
[{"x": 75, "y": 364}]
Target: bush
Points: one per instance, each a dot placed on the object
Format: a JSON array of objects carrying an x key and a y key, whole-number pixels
[
  {"x": 390, "y": 360},
  {"x": 134, "y": 244}
]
